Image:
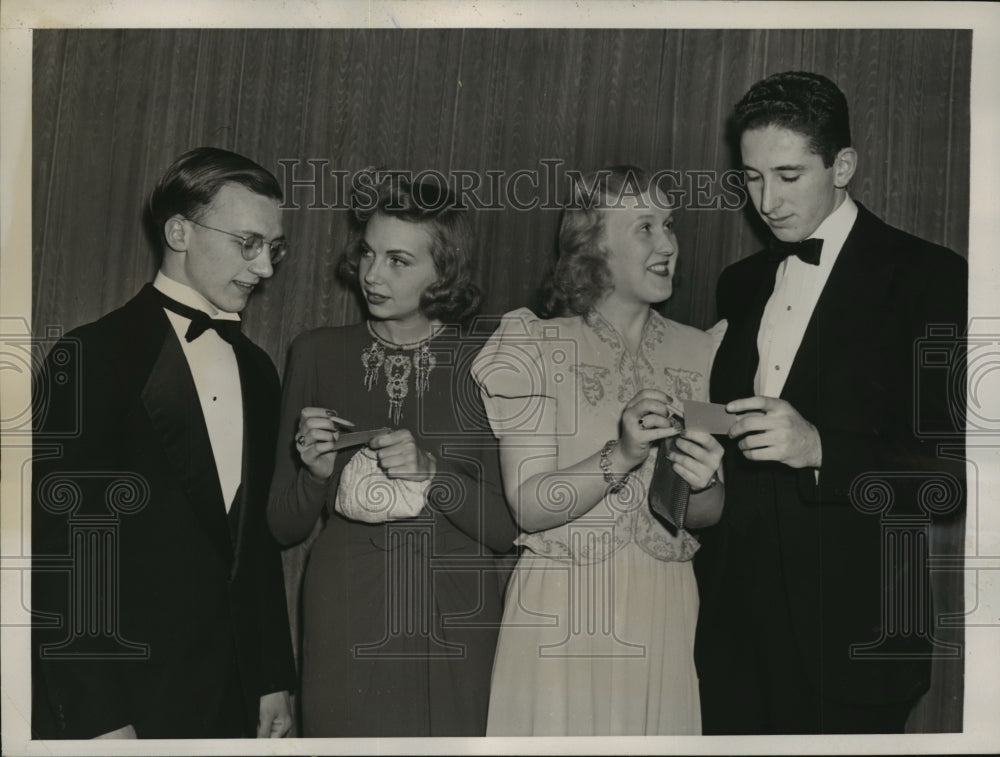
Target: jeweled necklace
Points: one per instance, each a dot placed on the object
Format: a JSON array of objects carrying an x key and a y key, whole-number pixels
[{"x": 398, "y": 367}]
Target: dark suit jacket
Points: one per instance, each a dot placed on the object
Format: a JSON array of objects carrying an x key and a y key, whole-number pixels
[
  {"x": 147, "y": 596},
  {"x": 854, "y": 378}
]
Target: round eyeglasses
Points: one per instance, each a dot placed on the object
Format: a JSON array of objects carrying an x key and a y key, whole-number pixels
[{"x": 253, "y": 245}]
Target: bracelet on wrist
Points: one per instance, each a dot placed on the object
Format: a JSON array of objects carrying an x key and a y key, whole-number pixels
[
  {"x": 617, "y": 483},
  {"x": 712, "y": 482}
]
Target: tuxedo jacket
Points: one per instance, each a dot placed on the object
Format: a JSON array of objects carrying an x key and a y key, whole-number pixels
[
  {"x": 846, "y": 552},
  {"x": 147, "y": 595}
]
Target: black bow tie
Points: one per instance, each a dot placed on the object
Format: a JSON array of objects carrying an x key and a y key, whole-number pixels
[
  {"x": 807, "y": 250},
  {"x": 200, "y": 320}
]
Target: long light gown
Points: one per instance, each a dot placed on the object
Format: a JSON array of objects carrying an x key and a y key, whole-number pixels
[{"x": 599, "y": 620}]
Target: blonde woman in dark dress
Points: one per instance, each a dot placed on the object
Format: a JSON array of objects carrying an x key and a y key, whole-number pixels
[{"x": 402, "y": 589}]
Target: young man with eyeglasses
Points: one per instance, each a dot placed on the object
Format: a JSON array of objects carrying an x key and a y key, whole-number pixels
[{"x": 161, "y": 418}]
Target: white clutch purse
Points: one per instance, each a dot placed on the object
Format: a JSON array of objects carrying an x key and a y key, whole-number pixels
[{"x": 367, "y": 494}]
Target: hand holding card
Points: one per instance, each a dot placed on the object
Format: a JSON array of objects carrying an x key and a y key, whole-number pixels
[
  {"x": 356, "y": 438},
  {"x": 669, "y": 492}
]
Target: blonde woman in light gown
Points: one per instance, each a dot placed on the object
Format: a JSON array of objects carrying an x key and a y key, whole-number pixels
[{"x": 599, "y": 620}]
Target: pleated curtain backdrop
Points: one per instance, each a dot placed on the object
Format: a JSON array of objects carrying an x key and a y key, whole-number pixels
[{"x": 111, "y": 109}]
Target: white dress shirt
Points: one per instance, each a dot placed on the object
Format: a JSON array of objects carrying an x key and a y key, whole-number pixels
[
  {"x": 797, "y": 287},
  {"x": 217, "y": 378}
]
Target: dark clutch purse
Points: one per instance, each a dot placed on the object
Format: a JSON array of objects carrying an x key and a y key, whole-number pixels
[{"x": 668, "y": 492}]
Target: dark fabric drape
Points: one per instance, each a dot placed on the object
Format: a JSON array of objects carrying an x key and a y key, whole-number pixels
[{"x": 111, "y": 109}]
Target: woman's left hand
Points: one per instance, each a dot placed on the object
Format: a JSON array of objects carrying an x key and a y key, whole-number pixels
[
  {"x": 696, "y": 457},
  {"x": 400, "y": 457}
]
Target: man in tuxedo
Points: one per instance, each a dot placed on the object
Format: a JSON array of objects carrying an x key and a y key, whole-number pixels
[
  {"x": 158, "y": 596},
  {"x": 815, "y": 604}
]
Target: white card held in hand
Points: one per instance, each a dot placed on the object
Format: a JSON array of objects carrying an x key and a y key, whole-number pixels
[{"x": 708, "y": 416}]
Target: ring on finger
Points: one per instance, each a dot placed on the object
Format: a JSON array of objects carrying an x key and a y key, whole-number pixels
[
  {"x": 300, "y": 440},
  {"x": 641, "y": 424}
]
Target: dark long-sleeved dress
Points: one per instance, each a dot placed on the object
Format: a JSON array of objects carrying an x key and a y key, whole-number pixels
[{"x": 400, "y": 618}]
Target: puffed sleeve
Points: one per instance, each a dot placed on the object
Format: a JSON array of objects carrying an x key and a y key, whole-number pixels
[{"x": 511, "y": 374}]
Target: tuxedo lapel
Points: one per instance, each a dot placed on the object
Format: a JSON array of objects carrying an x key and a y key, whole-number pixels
[
  {"x": 736, "y": 361},
  {"x": 843, "y": 311},
  {"x": 171, "y": 401},
  {"x": 251, "y": 467}
]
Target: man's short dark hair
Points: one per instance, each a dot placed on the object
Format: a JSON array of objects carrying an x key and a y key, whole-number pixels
[
  {"x": 454, "y": 297},
  {"x": 192, "y": 181},
  {"x": 800, "y": 101}
]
